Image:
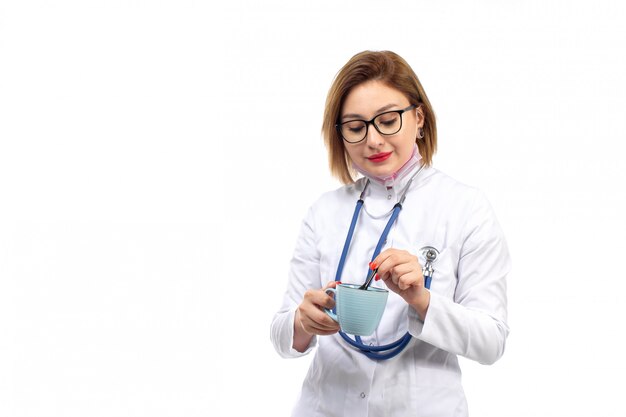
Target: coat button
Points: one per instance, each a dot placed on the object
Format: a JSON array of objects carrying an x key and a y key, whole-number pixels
[
  {"x": 362, "y": 395},
  {"x": 389, "y": 197}
]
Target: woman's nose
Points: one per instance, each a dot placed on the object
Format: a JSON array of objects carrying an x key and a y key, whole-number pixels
[{"x": 373, "y": 137}]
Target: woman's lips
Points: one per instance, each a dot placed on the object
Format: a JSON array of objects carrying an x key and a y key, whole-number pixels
[{"x": 379, "y": 157}]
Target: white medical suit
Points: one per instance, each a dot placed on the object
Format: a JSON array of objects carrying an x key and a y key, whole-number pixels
[{"x": 466, "y": 316}]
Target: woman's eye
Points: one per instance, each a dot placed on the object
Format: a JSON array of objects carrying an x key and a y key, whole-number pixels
[
  {"x": 388, "y": 120},
  {"x": 354, "y": 127}
]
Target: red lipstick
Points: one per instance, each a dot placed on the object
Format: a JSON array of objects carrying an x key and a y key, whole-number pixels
[{"x": 379, "y": 157}]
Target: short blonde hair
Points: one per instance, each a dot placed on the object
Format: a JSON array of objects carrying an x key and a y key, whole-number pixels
[{"x": 393, "y": 70}]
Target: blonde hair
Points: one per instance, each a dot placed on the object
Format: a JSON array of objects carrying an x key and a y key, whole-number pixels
[{"x": 393, "y": 70}]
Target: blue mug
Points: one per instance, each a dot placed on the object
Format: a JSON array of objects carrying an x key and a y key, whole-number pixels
[{"x": 358, "y": 311}]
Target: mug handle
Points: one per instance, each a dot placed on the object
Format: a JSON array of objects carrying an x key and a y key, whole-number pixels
[{"x": 327, "y": 311}]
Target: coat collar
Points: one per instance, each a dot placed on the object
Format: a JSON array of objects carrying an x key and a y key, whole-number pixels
[
  {"x": 396, "y": 181},
  {"x": 398, "y": 178}
]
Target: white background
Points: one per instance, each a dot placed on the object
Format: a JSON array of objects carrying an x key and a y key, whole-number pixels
[{"x": 156, "y": 158}]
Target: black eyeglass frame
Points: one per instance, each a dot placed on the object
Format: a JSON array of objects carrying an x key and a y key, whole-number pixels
[{"x": 371, "y": 122}]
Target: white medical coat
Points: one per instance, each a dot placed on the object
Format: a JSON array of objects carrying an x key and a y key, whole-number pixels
[{"x": 466, "y": 316}]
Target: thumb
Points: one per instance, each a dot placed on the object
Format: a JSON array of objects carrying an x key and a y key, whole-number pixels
[{"x": 332, "y": 284}]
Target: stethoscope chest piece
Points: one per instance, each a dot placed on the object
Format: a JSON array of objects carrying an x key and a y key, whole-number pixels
[{"x": 430, "y": 254}]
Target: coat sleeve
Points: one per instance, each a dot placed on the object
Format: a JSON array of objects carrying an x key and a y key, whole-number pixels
[
  {"x": 473, "y": 323},
  {"x": 304, "y": 273}
]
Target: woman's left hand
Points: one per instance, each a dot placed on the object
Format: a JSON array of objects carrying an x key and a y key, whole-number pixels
[{"x": 402, "y": 273}]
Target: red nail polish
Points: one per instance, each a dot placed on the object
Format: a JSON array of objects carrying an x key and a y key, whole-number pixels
[
  {"x": 338, "y": 282},
  {"x": 373, "y": 266},
  {"x": 377, "y": 277}
]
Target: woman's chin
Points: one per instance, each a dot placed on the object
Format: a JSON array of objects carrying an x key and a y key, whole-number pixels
[{"x": 379, "y": 172}]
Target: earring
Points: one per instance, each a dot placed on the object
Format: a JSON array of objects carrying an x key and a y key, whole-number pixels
[{"x": 420, "y": 133}]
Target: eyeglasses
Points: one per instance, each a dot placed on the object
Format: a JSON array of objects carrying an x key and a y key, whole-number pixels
[{"x": 387, "y": 123}]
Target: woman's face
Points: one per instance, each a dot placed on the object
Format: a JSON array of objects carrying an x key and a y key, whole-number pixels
[{"x": 380, "y": 155}]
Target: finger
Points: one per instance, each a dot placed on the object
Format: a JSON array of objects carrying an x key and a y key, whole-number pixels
[
  {"x": 320, "y": 325},
  {"x": 398, "y": 263},
  {"x": 324, "y": 299},
  {"x": 403, "y": 273},
  {"x": 396, "y": 255},
  {"x": 385, "y": 270},
  {"x": 332, "y": 284},
  {"x": 407, "y": 280},
  {"x": 382, "y": 257},
  {"x": 319, "y": 328},
  {"x": 314, "y": 316},
  {"x": 391, "y": 259},
  {"x": 389, "y": 283},
  {"x": 321, "y": 332},
  {"x": 323, "y": 321},
  {"x": 406, "y": 268},
  {"x": 319, "y": 298}
]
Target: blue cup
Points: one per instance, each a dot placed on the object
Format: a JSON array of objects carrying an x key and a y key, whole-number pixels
[{"x": 358, "y": 311}]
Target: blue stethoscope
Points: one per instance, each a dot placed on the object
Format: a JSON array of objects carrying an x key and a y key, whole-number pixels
[{"x": 385, "y": 351}]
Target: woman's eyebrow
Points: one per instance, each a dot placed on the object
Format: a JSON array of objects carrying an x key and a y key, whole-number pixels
[{"x": 355, "y": 115}]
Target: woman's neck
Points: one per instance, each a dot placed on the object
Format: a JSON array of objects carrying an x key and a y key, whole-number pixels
[{"x": 390, "y": 179}]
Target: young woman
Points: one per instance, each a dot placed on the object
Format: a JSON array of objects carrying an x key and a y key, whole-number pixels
[{"x": 436, "y": 243}]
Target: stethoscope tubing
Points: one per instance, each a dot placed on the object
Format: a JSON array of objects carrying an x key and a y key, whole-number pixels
[{"x": 394, "y": 348}]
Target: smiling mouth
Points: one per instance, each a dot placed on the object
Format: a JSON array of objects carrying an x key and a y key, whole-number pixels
[{"x": 379, "y": 157}]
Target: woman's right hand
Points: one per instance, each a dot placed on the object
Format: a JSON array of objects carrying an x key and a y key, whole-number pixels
[{"x": 311, "y": 319}]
